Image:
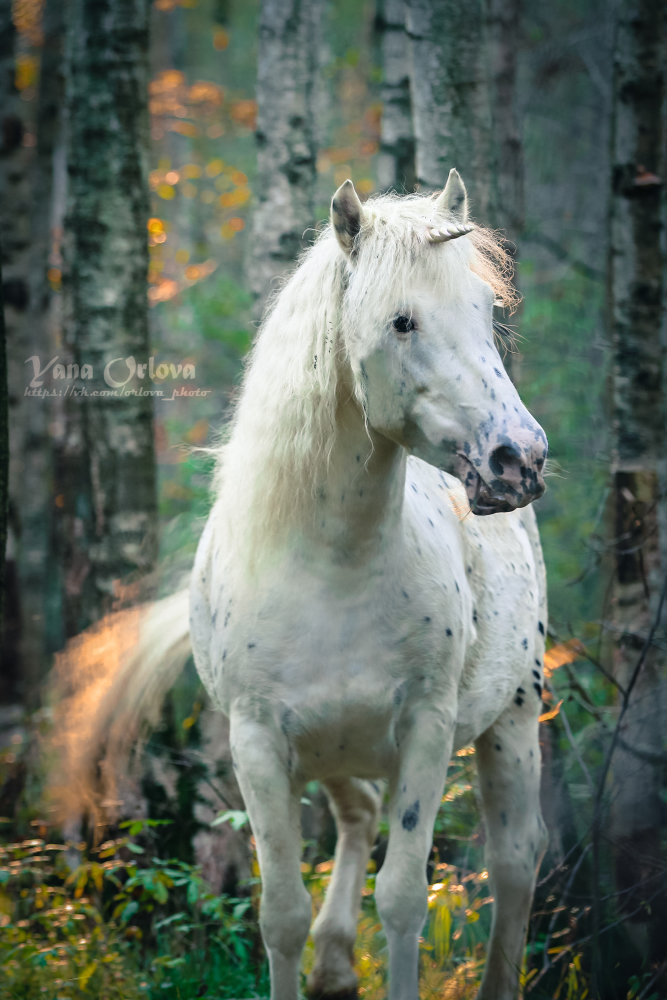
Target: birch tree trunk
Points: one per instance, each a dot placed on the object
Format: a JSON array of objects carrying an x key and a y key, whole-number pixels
[
  {"x": 463, "y": 81},
  {"x": 37, "y": 574},
  {"x": 288, "y": 58},
  {"x": 502, "y": 26},
  {"x": 635, "y": 275},
  {"x": 450, "y": 101},
  {"x": 16, "y": 155},
  {"x": 108, "y": 500},
  {"x": 4, "y": 452},
  {"x": 396, "y": 161}
]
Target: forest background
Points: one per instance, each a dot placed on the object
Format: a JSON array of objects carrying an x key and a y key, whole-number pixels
[{"x": 540, "y": 131}]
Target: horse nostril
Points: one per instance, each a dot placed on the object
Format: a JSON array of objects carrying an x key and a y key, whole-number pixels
[{"x": 503, "y": 457}]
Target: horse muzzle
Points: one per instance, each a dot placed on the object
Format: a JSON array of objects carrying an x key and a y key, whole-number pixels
[{"x": 513, "y": 476}]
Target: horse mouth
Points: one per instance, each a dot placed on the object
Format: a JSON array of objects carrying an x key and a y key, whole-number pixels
[{"x": 485, "y": 498}]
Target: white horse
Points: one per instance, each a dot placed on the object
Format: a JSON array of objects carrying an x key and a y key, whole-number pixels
[
  {"x": 345, "y": 614},
  {"x": 348, "y": 612}
]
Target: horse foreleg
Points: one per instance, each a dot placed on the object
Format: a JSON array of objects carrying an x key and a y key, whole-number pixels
[
  {"x": 273, "y": 805},
  {"x": 508, "y": 759},
  {"x": 355, "y": 806},
  {"x": 401, "y": 888}
]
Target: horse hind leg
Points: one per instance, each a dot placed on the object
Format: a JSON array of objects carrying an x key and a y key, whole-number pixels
[
  {"x": 355, "y": 805},
  {"x": 508, "y": 760},
  {"x": 273, "y": 804}
]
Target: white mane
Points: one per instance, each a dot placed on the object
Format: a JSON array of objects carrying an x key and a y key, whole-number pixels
[{"x": 298, "y": 375}]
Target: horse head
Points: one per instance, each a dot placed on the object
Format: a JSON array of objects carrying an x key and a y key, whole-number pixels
[{"x": 418, "y": 330}]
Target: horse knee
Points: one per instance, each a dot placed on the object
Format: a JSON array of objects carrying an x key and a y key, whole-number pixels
[
  {"x": 401, "y": 896},
  {"x": 285, "y": 923}
]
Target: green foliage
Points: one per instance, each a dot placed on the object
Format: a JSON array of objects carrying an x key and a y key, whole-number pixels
[
  {"x": 115, "y": 922},
  {"x": 561, "y": 377},
  {"x": 237, "y": 819}
]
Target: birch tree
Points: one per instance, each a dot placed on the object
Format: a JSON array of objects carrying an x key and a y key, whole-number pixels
[
  {"x": 107, "y": 470},
  {"x": 635, "y": 274},
  {"x": 4, "y": 452},
  {"x": 396, "y": 160},
  {"x": 450, "y": 102},
  {"x": 501, "y": 36},
  {"x": 35, "y": 568},
  {"x": 288, "y": 57}
]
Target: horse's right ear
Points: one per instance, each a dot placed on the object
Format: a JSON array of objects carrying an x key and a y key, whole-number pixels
[
  {"x": 454, "y": 199},
  {"x": 347, "y": 215}
]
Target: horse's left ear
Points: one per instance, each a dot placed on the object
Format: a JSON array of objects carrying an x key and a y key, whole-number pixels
[
  {"x": 347, "y": 215},
  {"x": 454, "y": 198}
]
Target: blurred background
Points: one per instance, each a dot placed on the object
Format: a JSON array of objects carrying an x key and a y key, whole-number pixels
[{"x": 162, "y": 164}]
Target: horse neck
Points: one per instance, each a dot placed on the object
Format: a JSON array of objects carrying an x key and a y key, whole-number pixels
[{"x": 358, "y": 503}]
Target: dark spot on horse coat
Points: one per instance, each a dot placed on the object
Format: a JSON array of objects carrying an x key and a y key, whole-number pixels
[
  {"x": 405, "y": 595},
  {"x": 540, "y": 626},
  {"x": 524, "y": 643},
  {"x": 538, "y": 688},
  {"x": 427, "y": 619},
  {"x": 503, "y": 818},
  {"x": 286, "y": 720},
  {"x": 448, "y": 631},
  {"x": 537, "y": 675},
  {"x": 520, "y": 691},
  {"x": 498, "y": 746},
  {"x": 214, "y": 618},
  {"x": 411, "y": 817},
  {"x": 251, "y": 645},
  {"x": 518, "y": 700}
]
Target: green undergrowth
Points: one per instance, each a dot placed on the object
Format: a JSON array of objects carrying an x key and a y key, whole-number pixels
[{"x": 118, "y": 921}]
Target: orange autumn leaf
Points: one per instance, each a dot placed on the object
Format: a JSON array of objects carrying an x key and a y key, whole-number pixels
[
  {"x": 244, "y": 112},
  {"x": 562, "y": 653},
  {"x": 552, "y": 713},
  {"x": 198, "y": 432}
]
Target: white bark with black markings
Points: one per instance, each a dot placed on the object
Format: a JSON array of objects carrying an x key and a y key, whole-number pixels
[
  {"x": 289, "y": 46},
  {"x": 108, "y": 465},
  {"x": 636, "y": 263},
  {"x": 452, "y": 115},
  {"x": 396, "y": 160}
]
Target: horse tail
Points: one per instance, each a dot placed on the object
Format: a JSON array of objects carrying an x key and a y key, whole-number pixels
[{"x": 110, "y": 683}]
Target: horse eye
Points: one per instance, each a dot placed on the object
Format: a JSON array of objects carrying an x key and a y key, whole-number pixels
[{"x": 403, "y": 324}]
